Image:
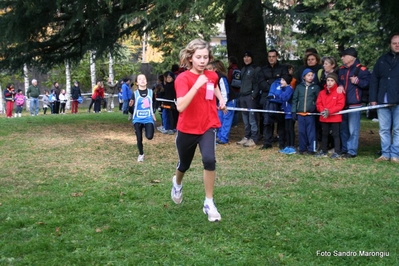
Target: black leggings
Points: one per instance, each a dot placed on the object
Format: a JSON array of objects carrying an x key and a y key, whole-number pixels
[
  {"x": 62, "y": 108},
  {"x": 149, "y": 134},
  {"x": 334, "y": 127},
  {"x": 290, "y": 132},
  {"x": 186, "y": 145}
]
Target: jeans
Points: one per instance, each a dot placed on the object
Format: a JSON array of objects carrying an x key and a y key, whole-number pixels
[
  {"x": 349, "y": 132},
  {"x": 249, "y": 118},
  {"x": 34, "y": 106},
  {"x": 226, "y": 119},
  {"x": 388, "y": 119},
  {"x": 165, "y": 119},
  {"x": 125, "y": 106}
]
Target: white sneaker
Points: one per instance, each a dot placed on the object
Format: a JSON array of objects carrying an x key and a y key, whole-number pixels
[
  {"x": 177, "y": 195},
  {"x": 243, "y": 141},
  {"x": 19, "y": 114},
  {"x": 140, "y": 158},
  {"x": 249, "y": 143},
  {"x": 212, "y": 212}
]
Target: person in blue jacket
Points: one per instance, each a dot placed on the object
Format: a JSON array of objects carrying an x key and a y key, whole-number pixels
[{"x": 353, "y": 79}]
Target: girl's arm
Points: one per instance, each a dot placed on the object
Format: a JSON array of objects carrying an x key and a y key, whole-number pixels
[{"x": 218, "y": 94}]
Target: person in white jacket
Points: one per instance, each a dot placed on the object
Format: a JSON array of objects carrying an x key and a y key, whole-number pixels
[{"x": 63, "y": 100}]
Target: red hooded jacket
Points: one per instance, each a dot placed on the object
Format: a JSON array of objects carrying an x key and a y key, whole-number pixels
[{"x": 333, "y": 101}]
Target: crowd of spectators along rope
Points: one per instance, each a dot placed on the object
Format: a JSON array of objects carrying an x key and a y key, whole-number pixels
[
  {"x": 54, "y": 101},
  {"x": 276, "y": 96},
  {"x": 286, "y": 97}
]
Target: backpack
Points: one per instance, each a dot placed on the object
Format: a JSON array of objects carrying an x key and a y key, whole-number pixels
[
  {"x": 236, "y": 78},
  {"x": 365, "y": 94}
]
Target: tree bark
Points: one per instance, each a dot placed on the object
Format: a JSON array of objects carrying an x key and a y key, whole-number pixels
[{"x": 245, "y": 31}]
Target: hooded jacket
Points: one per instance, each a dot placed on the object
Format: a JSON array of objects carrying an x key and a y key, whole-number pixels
[{"x": 333, "y": 101}]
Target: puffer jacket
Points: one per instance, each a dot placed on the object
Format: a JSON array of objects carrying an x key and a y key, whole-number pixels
[{"x": 385, "y": 80}]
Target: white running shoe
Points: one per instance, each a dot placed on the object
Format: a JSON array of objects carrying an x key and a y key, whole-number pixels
[
  {"x": 140, "y": 158},
  {"x": 212, "y": 212},
  {"x": 242, "y": 141},
  {"x": 176, "y": 194}
]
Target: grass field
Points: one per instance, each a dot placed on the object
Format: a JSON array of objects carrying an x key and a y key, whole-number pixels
[{"x": 72, "y": 193}]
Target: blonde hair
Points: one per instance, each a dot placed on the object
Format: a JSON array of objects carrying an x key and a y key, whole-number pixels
[{"x": 187, "y": 53}]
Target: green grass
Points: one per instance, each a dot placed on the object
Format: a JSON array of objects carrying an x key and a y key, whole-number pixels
[{"x": 72, "y": 193}]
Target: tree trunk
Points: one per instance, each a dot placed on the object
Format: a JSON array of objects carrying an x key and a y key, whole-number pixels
[
  {"x": 68, "y": 83},
  {"x": 26, "y": 84},
  {"x": 245, "y": 30},
  {"x": 93, "y": 76}
]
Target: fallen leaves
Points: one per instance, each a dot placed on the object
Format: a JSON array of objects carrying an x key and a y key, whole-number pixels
[{"x": 100, "y": 229}]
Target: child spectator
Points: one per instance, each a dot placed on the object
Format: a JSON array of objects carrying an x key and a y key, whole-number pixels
[
  {"x": 120, "y": 99},
  {"x": 169, "y": 112},
  {"x": 286, "y": 97},
  {"x": 46, "y": 102},
  {"x": 291, "y": 70},
  {"x": 159, "y": 93},
  {"x": 9, "y": 94},
  {"x": 329, "y": 102},
  {"x": 63, "y": 100},
  {"x": 19, "y": 101},
  {"x": 51, "y": 99},
  {"x": 226, "y": 118},
  {"x": 303, "y": 102},
  {"x": 143, "y": 113}
]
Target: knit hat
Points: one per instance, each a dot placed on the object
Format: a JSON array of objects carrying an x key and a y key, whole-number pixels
[
  {"x": 333, "y": 76},
  {"x": 306, "y": 71},
  {"x": 287, "y": 78},
  {"x": 248, "y": 53},
  {"x": 349, "y": 51}
]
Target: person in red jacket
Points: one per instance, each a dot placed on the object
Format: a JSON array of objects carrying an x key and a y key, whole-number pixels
[
  {"x": 9, "y": 94},
  {"x": 97, "y": 96},
  {"x": 330, "y": 101}
]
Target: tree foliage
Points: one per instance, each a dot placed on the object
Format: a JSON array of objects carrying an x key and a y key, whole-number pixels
[
  {"x": 331, "y": 26},
  {"x": 43, "y": 33}
]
